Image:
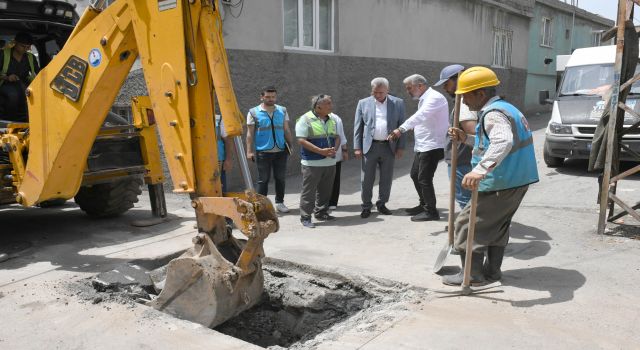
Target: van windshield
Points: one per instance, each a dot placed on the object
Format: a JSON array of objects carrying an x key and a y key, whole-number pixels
[{"x": 590, "y": 80}]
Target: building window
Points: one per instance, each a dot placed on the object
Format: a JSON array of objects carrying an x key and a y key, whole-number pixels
[
  {"x": 308, "y": 24},
  {"x": 596, "y": 38},
  {"x": 502, "y": 48},
  {"x": 545, "y": 39}
]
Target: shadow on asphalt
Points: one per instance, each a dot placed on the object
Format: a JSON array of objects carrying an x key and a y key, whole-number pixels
[
  {"x": 626, "y": 231},
  {"x": 527, "y": 250},
  {"x": 351, "y": 220},
  {"x": 59, "y": 235},
  {"x": 561, "y": 284}
]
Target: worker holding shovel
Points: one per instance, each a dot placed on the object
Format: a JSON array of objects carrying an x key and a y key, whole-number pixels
[{"x": 503, "y": 164}]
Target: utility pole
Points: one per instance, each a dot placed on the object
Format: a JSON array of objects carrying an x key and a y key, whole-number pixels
[{"x": 573, "y": 24}]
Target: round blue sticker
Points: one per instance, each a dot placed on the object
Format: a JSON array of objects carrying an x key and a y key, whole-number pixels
[{"x": 95, "y": 58}]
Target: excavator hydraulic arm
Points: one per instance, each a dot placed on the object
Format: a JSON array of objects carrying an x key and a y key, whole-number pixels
[{"x": 180, "y": 47}]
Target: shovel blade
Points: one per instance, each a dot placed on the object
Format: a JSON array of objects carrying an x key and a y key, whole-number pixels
[{"x": 442, "y": 257}]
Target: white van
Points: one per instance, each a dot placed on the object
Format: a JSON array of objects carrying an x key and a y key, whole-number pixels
[{"x": 579, "y": 105}]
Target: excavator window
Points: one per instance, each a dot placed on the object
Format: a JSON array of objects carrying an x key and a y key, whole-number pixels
[{"x": 49, "y": 23}]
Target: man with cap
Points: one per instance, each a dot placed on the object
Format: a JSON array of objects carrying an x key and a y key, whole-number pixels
[
  {"x": 504, "y": 165},
  {"x": 449, "y": 81},
  {"x": 430, "y": 125},
  {"x": 19, "y": 68}
]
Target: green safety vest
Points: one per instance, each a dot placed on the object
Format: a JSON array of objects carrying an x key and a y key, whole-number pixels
[
  {"x": 319, "y": 133},
  {"x": 7, "y": 59}
]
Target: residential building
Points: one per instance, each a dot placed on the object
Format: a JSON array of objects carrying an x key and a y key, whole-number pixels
[
  {"x": 557, "y": 28},
  {"x": 335, "y": 47}
]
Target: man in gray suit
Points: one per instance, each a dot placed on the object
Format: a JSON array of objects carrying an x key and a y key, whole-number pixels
[{"x": 376, "y": 116}]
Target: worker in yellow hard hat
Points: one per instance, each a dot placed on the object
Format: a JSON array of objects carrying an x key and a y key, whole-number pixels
[{"x": 504, "y": 165}]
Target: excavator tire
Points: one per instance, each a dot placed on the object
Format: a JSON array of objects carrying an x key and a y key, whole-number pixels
[{"x": 109, "y": 199}]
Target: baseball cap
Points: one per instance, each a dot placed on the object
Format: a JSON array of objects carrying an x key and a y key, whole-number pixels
[{"x": 447, "y": 72}]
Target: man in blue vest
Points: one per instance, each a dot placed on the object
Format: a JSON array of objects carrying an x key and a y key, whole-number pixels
[
  {"x": 19, "y": 68},
  {"x": 268, "y": 141},
  {"x": 504, "y": 165},
  {"x": 319, "y": 142}
]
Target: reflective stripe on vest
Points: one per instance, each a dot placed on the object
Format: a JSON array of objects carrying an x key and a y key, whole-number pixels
[
  {"x": 221, "y": 151},
  {"x": 321, "y": 134},
  {"x": 269, "y": 131},
  {"x": 519, "y": 167},
  {"x": 7, "y": 59}
]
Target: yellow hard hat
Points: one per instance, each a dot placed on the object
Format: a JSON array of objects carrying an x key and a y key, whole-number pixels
[{"x": 476, "y": 78}]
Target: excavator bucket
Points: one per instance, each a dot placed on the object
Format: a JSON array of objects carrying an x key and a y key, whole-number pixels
[{"x": 211, "y": 283}]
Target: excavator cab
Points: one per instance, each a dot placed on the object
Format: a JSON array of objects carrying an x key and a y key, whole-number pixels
[
  {"x": 124, "y": 153},
  {"x": 49, "y": 23}
]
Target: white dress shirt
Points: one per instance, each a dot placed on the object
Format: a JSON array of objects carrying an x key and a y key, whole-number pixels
[
  {"x": 380, "y": 133},
  {"x": 343, "y": 137},
  {"x": 430, "y": 122}
]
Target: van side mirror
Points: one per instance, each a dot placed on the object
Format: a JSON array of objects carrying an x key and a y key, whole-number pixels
[{"x": 543, "y": 97}]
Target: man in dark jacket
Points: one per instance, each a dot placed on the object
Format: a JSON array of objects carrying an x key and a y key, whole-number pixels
[{"x": 18, "y": 68}]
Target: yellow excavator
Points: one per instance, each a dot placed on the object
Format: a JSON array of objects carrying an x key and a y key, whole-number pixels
[{"x": 180, "y": 48}]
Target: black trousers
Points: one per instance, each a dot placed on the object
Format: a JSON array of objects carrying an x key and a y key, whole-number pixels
[
  {"x": 268, "y": 162},
  {"x": 422, "y": 170},
  {"x": 335, "y": 192},
  {"x": 13, "y": 102}
]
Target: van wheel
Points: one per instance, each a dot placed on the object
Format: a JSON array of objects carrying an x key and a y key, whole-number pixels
[
  {"x": 550, "y": 161},
  {"x": 109, "y": 199}
]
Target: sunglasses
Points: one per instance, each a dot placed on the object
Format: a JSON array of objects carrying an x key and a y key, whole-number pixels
[{"x": 318, "y": 99}]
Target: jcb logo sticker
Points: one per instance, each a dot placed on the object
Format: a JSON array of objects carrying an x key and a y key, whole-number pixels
[{"x": 70, "y": 79}]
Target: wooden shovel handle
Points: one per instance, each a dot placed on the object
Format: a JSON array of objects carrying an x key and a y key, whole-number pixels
[{"x": 454, "y": 166}]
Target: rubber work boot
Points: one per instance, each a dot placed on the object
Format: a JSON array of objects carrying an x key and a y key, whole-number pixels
[
  {"x": 492, "y": 266},
  {"x": 477, "y": 278}
]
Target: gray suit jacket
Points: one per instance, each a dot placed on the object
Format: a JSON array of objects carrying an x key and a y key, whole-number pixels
[{"x": 365, "y": 122}]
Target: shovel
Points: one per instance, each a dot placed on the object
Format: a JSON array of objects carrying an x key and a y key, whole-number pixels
[{"x": 446, "y": 250}]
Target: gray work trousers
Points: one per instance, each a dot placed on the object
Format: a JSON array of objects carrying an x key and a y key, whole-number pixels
[
  {"x": 379, "y": 155},
  {"x": 493, "y": 218},
  {"x": 317, "y": 183}
]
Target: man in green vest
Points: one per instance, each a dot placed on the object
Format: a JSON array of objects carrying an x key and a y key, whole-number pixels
[
  {"x": 319, "y": 141},
  {"x": 19, "y": 68}
]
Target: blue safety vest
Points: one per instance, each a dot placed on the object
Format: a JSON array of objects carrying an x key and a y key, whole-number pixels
[
  {"x": 519, "y": 167},
  {"x": 321, "y": 134},
  {"x": 221, "y": 152},
  {"x": 269, "y": 131}
]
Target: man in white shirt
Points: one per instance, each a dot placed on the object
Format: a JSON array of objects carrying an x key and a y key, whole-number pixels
[
  {"x": 343, "y": 155},
  {"x": 467, "y": 122},
  {"x": 430, "y": 124},
  {"x": 376, "y": 116}
]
